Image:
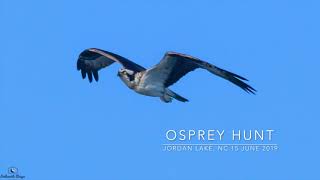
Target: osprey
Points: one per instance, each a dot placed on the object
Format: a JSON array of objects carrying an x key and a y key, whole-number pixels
[{"x": 155, "y": 81}]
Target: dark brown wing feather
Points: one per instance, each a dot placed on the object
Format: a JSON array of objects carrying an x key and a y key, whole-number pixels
[
  {"x": 174, "y": 66},
  {"x": 91, "y": 60}
]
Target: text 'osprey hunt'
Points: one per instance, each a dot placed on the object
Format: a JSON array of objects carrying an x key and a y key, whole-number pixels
[{"x": 155, "y": 81}]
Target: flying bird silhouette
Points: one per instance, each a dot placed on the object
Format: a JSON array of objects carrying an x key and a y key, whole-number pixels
[{"x": 155, "y": 81}]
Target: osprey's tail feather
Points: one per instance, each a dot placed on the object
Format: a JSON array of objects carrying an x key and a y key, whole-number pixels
[{"x": 176, "y": 96}]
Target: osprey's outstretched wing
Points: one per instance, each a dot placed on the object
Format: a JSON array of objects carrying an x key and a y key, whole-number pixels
[
  {"x": 91, "y": 60},
  {"x": 174, "y": 66}
]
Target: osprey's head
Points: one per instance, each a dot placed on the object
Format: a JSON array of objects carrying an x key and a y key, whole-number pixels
[{"x": 126, "y": 74}]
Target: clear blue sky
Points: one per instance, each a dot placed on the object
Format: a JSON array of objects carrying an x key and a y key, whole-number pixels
[{"x": 56, "y": 126}]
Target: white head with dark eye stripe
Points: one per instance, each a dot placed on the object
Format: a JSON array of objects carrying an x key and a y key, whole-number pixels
[{"x": 127, "y": 74}]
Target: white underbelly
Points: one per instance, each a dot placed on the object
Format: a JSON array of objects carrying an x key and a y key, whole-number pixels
[{"x": 150, "y": 90}]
